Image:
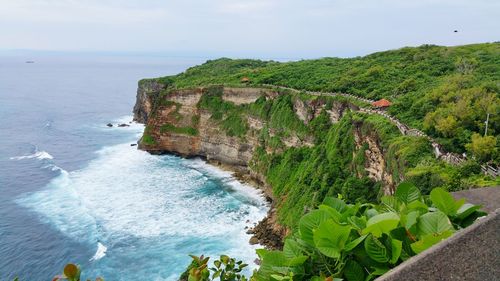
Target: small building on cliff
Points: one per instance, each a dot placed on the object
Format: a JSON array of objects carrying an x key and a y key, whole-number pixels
[{"x": 381, "y": 104}]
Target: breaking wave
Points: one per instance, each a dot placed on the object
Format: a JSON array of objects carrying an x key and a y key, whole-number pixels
[
  {"x": 153, "y": 209},
  {"x": 100, "y": 253},
  {"x": 40, "y": 155}
]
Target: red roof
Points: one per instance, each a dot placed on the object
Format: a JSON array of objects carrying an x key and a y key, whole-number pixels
[
  {"x": 245, "y": 79},
  {"x": 381, "y": 103}
]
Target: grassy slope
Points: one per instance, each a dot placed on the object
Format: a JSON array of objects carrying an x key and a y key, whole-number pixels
[{"x": 445, "y": 91}]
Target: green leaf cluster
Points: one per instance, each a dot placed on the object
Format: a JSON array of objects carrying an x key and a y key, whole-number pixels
[
  {"x": 224, "y": 269},
  {"x": 363, "y": 241},
  {"x": 340, "y": 241}
]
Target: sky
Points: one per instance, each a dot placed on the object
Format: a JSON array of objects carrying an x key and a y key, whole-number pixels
[{"x": 244, "y": 28}]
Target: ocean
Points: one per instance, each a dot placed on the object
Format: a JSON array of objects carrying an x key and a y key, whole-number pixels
[{"x": 74, "y": 190}]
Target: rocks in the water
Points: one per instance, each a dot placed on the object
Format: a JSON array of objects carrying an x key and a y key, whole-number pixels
[
  {"x": 254, "y": 240},
  {"x": 119, "y": 125},
  {"x": 250, "y": 231},
  {"x": 133, "y": 144}
]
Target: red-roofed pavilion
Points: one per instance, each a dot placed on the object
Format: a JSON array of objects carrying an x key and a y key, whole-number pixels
[{"x": 383, "y": 103}]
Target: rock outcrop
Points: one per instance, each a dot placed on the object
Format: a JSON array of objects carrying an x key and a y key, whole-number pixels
[
  {"x": 375, "y": 163},
  {"x": 148, "y": 89}
]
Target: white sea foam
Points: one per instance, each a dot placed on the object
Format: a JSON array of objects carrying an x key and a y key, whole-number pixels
[
  {"x": 100, "y": 253},
  {"x": 127, "y": 194},
  {"x": 38, "y": 155}
]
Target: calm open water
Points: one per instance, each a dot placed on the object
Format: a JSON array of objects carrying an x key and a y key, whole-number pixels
[{"x": 74, "y": 190}]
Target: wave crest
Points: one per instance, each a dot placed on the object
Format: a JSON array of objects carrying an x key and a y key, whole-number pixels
[
  {"x": 40, "y": 155},
  {"x": 100, "y": 253}
]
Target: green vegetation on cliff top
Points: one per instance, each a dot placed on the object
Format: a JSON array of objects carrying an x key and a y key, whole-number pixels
[{"x": 445, "y": 91}]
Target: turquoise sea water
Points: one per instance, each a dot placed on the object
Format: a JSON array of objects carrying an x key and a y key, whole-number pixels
[{"x": 74, "y": 190}]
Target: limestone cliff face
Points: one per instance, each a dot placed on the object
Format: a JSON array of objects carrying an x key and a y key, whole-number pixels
[
  {"x": 179, "y": 108},
  {"x": 375, "y": 165},
  {"x": 144, "y": 102}
]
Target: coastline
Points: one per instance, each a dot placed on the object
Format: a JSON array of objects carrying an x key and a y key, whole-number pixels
[{"x": 267, "y": 232}]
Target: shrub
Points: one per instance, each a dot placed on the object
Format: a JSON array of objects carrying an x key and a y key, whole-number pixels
[
  {"x": 362, "y": 241},
  {"x": 148, "y": 139},
  {"x": 178, "y": 130}
]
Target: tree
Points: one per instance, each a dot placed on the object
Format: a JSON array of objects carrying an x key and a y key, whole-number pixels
[
  {"x": 466, "y": 65},
  {"x": 483, "y": 148},
  {"x": 447, "y": 126}
]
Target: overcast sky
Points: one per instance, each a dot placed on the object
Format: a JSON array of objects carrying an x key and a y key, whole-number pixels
[{"x": 245, "y": 28}]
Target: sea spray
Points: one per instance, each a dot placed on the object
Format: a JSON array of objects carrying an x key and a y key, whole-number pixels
[{"x": 154, "y": 210}]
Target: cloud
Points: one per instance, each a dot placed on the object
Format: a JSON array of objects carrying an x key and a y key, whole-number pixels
[
  {"x": 245, "y": 7},
  {"x": 302, "y": 28},
  {"x": 72, "y": 11}
]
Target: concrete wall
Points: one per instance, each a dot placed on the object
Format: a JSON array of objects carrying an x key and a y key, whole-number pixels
[{"x": 471, "y": 254}]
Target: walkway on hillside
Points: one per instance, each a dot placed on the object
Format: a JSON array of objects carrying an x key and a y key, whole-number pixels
[{"x": 448, "y": 157}]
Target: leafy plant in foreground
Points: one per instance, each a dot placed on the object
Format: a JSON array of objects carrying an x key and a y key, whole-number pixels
[
  {"x": 72, "y": 272},
  {"x": 358, "y": 242},
  {"x": 363, "y": 241},
  {"x": 225, "y": 269}
]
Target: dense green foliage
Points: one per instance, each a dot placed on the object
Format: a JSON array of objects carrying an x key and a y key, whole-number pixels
[
  {"x": 147, "y": 138},
  {"x": 340, "y": 241},
  {"x": 224, "y": 269},
  {"x": 225, "y": 112},
  {"x": 302, "y": 177},
  {"x": 446, "y": 91},
  {"x": 178, "y": 130}
]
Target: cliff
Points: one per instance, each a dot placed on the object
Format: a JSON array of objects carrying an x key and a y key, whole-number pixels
[{"x": 253, "y": 129}]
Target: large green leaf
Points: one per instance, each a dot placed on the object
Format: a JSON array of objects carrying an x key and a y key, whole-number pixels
[
  {"x": 292, "y": 249},
  {"x": 375, "y": 249},
  {"x": 396, "y": 247},
  {"x": 410, "y": 219},
  {"x": 433, "y": 223},
  {"x": 351, "y": 245},
  {"x": 353, "y": 271},
  {"x": 428, "y": 240},
  {"x": 466, "y": 210},
  {"x": 330, "y": 238},
  {"x": 418, "y": 206},
  {"x": 357, "y": 223},
  {"x": 407, "y": 192},
  {"x": 309, "y": 222},
  {"x": 444, "y": 201},
  {"x": 371, "y": 213},
  {"x": 382, "y": 223},
  {"x": 391, "y": 203},
  {"x": 334, "y": 214},
  {"x": 335, "y": 203},
  {"x": 276, "y": 261}
]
